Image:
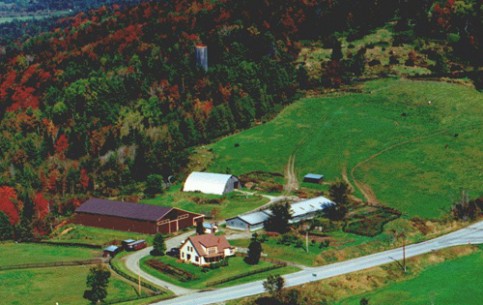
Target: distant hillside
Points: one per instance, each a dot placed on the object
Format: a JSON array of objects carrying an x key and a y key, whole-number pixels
[{"x": 110, "y": 99}]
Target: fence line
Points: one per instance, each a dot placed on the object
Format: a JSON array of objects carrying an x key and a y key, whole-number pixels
[
  {"x": 242, "y": 275},
  {"x": 53, "y": 264},
  {"x": 69, "y": 244}
]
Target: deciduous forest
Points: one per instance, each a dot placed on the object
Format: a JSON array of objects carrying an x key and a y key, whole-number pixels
[{"x": 110, "y": 97}]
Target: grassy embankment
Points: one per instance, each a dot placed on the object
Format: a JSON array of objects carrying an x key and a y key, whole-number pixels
[
  {"x": 414, "y": 155},
  {"x": 97, "y": 236},
  {"x": 448, "y": 276},
  {"x": 236, "y": 266},
  {"x": 451, "y": 282}
]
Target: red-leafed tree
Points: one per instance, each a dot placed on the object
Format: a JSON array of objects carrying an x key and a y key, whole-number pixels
[
  {"x": 61, "y": 145},
  {"x": 41, "y": 206},
  {"x": 84, "y": 178},
  {"x": 8, "y": 199}
]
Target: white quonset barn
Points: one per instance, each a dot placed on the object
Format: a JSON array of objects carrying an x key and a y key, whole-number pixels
[
  {"x": 302, "y": 210},
  {"x": 210, "y": 183}
]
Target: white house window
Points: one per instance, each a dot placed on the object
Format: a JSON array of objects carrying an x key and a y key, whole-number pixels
[{"x": 197, "y": 258}]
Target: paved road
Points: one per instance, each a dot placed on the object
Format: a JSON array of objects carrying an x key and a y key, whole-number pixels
[
  {"x": 470, "y": 235},
  {"x": 132, "y": 263}
]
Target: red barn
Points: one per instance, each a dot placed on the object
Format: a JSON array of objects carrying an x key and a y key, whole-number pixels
[{"x": 135, "y": 217}]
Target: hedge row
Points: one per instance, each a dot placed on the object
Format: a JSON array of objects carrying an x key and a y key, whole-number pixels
[
  {"x": 180, "y": 274},
  {"x": 69, "y": 244},
  {"x": 53, "y": 264},
  {"x": 242, "y": 275}
]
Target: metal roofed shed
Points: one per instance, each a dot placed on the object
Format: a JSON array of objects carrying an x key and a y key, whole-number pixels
[
  {"x": 313, "y": 178},
  {"x": 248, "y": 222},
  {"x": 307, "y": 209},
  {"x": 211, "y": 183},
  {"x": 111, "y": 250}
]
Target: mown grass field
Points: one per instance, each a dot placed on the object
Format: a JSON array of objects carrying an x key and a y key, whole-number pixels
[
  {"x": 96, "y": 236},
  {"x": 416, "y": 144},
  {"x": 64, "y": 285},
  {"x": 455, "y": 281},
  {"x": 229, "y": 205},
  {"x": 27, "y": 253},
  {"x": 235, "y": 267}
]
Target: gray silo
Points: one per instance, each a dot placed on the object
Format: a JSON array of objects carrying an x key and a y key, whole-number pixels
[{"x": 202, "y": 56}]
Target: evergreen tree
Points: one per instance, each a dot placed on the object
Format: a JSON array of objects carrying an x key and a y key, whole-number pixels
[
  {"x": 302, "y": 77},
  {"x": 336, "y": 50},
  {"x": 279, "y": 218},
  {"x": 97, "y": 281},
  {"x": 154, "y": 185},
  {"x": 159, "y": 245},
  {"x": 200, "y": 230},
  {"x": 339, "y": 191},
  {"x": 24, "y": 230},
  {"x": 254, "y": 252},
  {"x": 6, "y": 229}
]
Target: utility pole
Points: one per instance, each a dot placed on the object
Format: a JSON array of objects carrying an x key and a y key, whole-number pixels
[
  {"x": 307, "y": 240},
  {"x": 404, "y": 253},
  {"x": 139, "y": 282}
]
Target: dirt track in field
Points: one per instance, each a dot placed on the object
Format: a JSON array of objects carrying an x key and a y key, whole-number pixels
[{"x": 292, "y": 183}]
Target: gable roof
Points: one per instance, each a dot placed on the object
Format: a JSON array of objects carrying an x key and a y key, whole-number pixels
[
  {"x": 208, "y": 241},
  {"x": 309, "y": 206},
  {"x": 208, "y": 183},
  {"x": 254, "y": 218},
  {"x": 123, "y": 209},
  {"x": 314, "y": 176}
]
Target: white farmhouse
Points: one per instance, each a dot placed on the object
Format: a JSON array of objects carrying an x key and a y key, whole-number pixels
[{"x": 204, "y": 249}]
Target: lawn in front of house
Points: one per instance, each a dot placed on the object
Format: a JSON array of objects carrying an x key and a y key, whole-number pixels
[
  {"x": 74, "y": 233},
  {"x": 64, "y": 285},
  {"x": 12, "y": 253},
  {"x": 236, "y": 266},
  {"x": 223, "y": 207}
]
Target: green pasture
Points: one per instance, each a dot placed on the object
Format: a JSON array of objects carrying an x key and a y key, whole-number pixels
[
  {"x": 235, "y": 267},
  {"x": 27, "y": 253},
  {"x": 455, "y": 281},
  {"x": 227, "y": 206},
  {"x": 64, "y": 285},
  {"x": 97, "y": 236},
  {"x": 416, "y": 144}
]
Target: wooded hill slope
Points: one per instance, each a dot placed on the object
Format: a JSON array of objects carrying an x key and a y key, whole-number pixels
[{"x": 108, "y": 102}]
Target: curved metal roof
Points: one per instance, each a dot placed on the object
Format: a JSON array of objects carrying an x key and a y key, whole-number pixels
[{"x": 208, "y": 183}]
